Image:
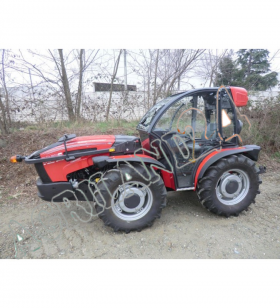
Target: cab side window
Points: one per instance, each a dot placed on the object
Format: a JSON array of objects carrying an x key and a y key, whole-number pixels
[{"x": 169, "y": 119}]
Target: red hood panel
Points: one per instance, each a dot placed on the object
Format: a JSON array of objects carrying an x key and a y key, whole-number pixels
[{"x": 100, "y": 142}]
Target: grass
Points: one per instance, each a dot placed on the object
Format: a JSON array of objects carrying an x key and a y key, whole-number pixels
[
  {"x": 82, "y": 127},
  {"x": 277, "y": 156}
]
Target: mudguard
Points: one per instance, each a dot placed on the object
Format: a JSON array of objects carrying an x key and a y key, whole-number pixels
[
  {"x": 251, "y": 151},
  {"x": 139, "y": 158}
]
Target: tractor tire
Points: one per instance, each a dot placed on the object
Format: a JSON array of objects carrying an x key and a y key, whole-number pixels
[
  {"x": 229, "y": 186},
  {"x": 133, "y": 202}
]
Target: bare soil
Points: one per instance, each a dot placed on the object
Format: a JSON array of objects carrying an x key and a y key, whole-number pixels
[{"x": 31, "y": 228}]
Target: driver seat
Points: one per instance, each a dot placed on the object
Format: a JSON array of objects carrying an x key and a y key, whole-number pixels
[{"x": 211, "y": 132}]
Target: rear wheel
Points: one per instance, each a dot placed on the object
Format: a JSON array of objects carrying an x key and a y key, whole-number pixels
[
  {"x": 229, "y": 186},
  {"x": 133, "y": 202}
]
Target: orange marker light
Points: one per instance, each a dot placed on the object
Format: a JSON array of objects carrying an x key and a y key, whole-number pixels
[{"x": 13, "y": 159}]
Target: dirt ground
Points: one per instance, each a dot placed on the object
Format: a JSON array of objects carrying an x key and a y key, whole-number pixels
[
  {"x": 31, "y": 228},
  {"x": 185, "y": 230}
]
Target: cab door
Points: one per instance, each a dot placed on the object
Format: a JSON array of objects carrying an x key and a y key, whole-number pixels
[{"x": 185, "y": 130}]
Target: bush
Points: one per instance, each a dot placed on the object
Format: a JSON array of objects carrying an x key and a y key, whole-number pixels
[{"x": 265, "y": 124}]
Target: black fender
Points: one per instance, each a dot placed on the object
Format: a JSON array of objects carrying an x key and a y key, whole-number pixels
[
  {"x": 251, "y": 151},
  {"x": 102, "y": 161}
]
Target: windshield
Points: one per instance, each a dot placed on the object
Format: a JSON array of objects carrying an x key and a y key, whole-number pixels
[{"x": 148, "y": 117}]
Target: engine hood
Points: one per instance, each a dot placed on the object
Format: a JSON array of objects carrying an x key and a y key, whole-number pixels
[
  {"x": 71, "y": 153},
  {"x": 97, "y": 142}
]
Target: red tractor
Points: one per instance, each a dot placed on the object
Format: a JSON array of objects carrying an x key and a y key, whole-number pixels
[{"x": 188, "y": 141}]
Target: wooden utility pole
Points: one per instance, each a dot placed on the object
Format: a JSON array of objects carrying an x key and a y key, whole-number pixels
[
  {"x": 115, "y": 71},
  {"x": 155, "y": 80},
  {"x": 125, "y": 70},
  {"x": 80, "y": 87},
  {"x": 125, "y": 77},
  {"x": 31, "y": 84}
]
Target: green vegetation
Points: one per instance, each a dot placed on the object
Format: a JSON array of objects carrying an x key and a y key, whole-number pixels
[
  {"x": 265, "y": 120},
  {"x": 250, "y": 70},
  {"x": 83, "y": 127},
  {"x": 277, "y": 156}
]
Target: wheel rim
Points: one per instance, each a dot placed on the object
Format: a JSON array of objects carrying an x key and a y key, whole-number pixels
[
  {"x": 132, "y": 201},
  {"x": 232, "y": 187}
]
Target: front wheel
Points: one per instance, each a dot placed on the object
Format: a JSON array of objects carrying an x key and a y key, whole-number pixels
[
  {"x": 131, "y": 200},
  {"x": 229, "y": 186}
]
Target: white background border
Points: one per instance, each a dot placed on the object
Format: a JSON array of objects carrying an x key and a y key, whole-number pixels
[{"x": 139, "y": 283}]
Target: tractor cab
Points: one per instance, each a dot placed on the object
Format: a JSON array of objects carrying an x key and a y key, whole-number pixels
[{"x": 186, "y": 127}]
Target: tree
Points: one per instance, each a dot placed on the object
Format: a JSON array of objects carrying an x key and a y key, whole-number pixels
[
  {"x": 208, "y": 66},
  {"x": 254, "y": 64},
  {"x": 5, "y": 117},
  {"x": 173, "y": 67},
  {"x": 113, "y": 77},
  {"x": 250, "y": 70},
  {"x": 65, "y": 83},
  {"x": 143, "y": 65},
  {"x": 227, "y": 73},
  {"x": 163, "y": 70},
  {"x": 58, "y": 73},
  {"x": 73, "y": 112}
]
